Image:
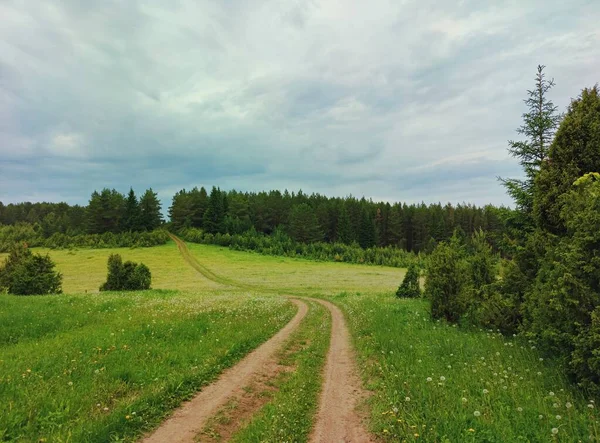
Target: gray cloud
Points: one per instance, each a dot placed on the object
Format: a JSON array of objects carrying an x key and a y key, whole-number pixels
[{"x": 401, "y": 101}]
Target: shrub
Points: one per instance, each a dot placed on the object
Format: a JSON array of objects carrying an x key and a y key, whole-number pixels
[
  {"x": 410, "y": 285},
  {"x": 25, "y": 273},
  {"x": 446, "y": 280},
  {"x": 128, "y": 276}
]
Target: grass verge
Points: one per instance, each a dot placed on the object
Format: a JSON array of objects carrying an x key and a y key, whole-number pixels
[{"x": 435, "y": 382}]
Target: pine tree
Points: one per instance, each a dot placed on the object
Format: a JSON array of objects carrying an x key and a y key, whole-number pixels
[
  {"x": 539, "y": 124},
  {"x": 131, "y": 220},
  {"x": 150, "y": 215}
]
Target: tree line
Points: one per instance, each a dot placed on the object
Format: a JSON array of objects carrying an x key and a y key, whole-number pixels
[
  {"x": 305, "y": 218},
  {"x": 317, "y": 218},
  {"x": 107, "y": 211}
]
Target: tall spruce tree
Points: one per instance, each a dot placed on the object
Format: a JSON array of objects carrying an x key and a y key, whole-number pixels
[
  {"x": 150, "y": 215},
  {"x": 214, "y": 217},
  {"x": 131, "y": 219},
  {"x": 539, "y": 125}
]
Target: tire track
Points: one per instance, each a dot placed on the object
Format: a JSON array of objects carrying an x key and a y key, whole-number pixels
[
  {"x": 189, "y": 420},
  {"x": 337, "y": 419}
]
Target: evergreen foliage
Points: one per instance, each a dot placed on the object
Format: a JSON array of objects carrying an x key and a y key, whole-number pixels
[
  {"x": 304, "y": 227},
  {"x": 446, "y": 280},
  {"x": 126, "y": 276},
  {"x": 150, "y": 215},
  {"x": 25, "y": 273},
  {"x": 410, "y": 287}
]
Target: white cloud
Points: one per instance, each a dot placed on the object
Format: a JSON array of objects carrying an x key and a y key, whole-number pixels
[{"x": 331, "y": 96}]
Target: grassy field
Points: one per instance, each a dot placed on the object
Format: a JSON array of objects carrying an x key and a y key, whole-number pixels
[
  {"x": 429, "y": 381},
  {"x": 104, "y": 367}
]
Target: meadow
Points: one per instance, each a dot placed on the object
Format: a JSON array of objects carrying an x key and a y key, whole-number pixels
[
  {"x": 103, "y": 367},
  {"x": 428, "y": 381}
]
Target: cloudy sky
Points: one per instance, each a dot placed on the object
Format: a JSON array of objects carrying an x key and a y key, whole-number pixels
[{"x": 395, "y": 100}]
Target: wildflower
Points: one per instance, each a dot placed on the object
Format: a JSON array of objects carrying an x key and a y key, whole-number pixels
[
  {"x": 591, "y": 406},
  {"x": 416, "y": 435},
  {"x": 429, "y": 379},
  {"x": 558, "y": 417},
  {"x": 407, "y": 399},
  {"x": 476, "y": 413},
  {"x": 442, "y": 378},
  {"x": 568, "y": 405},
  {"x": 541, "y": 359},
  {"x": 520, "y": 409},
  {"x": 70, "y": 383},
  {"x": 555, "y": 431},
  {"x": 485, "y": 391},
  {"x": 540, "y": 416},
  {"x": 464, "y": 400},
  {"x": 127, "y": 417},
  {"x": 551, "y": 394},
  {"x": 395, "y": 409},
  {"x": 471, "y": 430},
  {"x": 539, "y": 373},
  {"x": 555, "y": 405}
]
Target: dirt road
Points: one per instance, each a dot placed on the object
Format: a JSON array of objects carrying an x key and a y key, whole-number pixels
[
  {"x": 337, "y": 419},
  {"x": 187, "y": 421}
]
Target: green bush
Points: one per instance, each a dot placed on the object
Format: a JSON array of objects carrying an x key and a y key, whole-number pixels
[
  {"x": 410, "y": 287},
  {"x": 25, "y": 273},
  {"x": 446, "y": 280},
  {"x": 128, "y": 276}
]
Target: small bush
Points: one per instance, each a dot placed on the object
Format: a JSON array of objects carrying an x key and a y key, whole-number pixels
[
  {"x": 410, "y": 285},
  {"x": 446, "y": 281},
  {"x": 128, "y": 276},
  {"x": 25, "y": 273}
]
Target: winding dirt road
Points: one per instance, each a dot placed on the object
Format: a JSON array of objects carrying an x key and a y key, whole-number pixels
[
  {"x": 337, "y": 420},
  {"x": 188, "y": 421}
]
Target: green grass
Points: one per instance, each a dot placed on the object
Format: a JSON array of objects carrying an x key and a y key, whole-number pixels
[
  {"x": 397, "y": 344},
  {"x": 428, "y": 380},
  {"x": 105, "y": 367},
  {"x": 294, "y": 275},
  {"x": 289, "y": 415},
  {"x": 84, "y": 270}
]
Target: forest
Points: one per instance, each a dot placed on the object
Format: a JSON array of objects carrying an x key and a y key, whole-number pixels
[{"x": 306, "y": 219}]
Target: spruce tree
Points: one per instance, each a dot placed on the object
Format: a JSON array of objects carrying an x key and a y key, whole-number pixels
[
  {"x": 214, "y": 217},
  {"x": 150, "y": 215},
  {"x": 131, "y": 220},
  {"x": 539, "y": 125}
]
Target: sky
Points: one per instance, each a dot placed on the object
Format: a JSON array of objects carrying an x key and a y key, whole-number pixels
[{"x": 395, "y": 100}]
